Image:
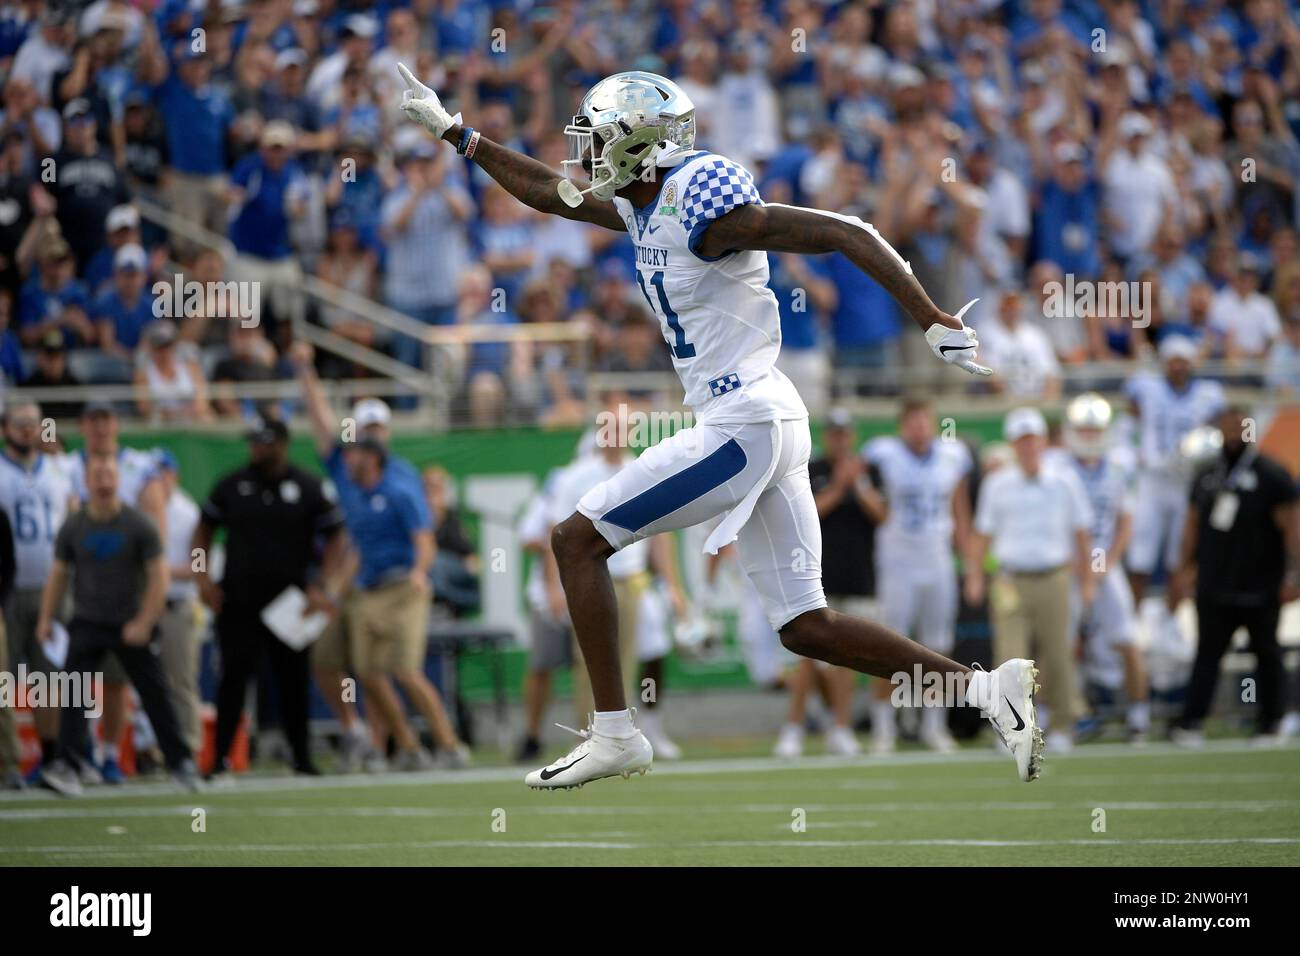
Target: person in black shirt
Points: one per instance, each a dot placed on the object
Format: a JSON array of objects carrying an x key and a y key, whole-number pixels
[
  {"x": 1241, "y": 556},
  {"x": 52, "y": 371},
  {"x": 88, "y": 184},
  {"x": 273, "y": 513},
  {"x": 845, "y": 498}
]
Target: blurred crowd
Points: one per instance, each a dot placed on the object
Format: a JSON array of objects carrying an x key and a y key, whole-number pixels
[{"x": 1002, "y": 147}]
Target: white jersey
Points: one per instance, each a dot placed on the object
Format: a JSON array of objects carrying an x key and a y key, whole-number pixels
[
  {"x": 1109, "y": 485},
  {"x": 575, "y": 480},
  {"x": 534, "y": 526},
  {"x": 1166, "y": 415},
  {"x": 135, "y": 469},
  {"x": 36, "y": 503},
  {"x": 182, "y": 519},
  {"x": 718, "y": 316},
  {"x": 919, "y": 489}
]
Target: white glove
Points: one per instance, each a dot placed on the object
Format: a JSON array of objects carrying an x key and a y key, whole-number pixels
[
  {"x": 957, "y": 346},
  {"x": 422, "y": 105}
]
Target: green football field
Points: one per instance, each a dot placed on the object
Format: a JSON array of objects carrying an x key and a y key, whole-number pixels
[{"x": 1103, "y": 805}]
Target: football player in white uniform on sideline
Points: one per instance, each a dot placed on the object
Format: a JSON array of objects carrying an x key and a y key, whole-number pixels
[
  {"x": 927, "y": 503},
  {"x": 1111, "y": 657},
  {"x": 701, "y": 234},
  {"x": 1166, "y": 407},
  {"x": 36, "y": 496}
]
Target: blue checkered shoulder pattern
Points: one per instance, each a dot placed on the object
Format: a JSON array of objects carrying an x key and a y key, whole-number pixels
[{"x": 717, "y": 186}]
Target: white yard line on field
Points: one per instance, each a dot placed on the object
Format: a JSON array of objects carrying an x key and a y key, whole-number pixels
[
  {"x": 686, "y": 768},
  {"x": 506, "y": 843}
]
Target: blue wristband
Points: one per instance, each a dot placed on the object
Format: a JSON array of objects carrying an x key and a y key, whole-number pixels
[{"x": 465, "y": 134}]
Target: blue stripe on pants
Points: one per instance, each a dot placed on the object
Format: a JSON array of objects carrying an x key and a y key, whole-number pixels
[{"x": 680, "y": 489}]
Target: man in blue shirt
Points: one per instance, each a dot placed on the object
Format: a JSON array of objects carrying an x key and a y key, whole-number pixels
[
  {"x": 197, "y": 117},
  {"x": 388, "y": 612},
  {"x": 270, "y": 190},
  {"x": 53, "y": 299},
  {"x": 391, "y": 547},
  {"x": 122, "y": 311},
  {"x": 864, "y": 322},
  {"x": 1067, "y": 218}
]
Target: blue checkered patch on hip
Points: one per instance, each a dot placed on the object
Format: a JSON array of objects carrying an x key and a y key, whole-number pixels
[{"x": 725, "y": 384}]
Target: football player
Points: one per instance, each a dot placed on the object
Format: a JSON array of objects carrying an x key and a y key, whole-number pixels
[
  {"x": 927, "y": 504},
  {"x": 1166, "y": 407},
  {"x": 1109, "y": 624},
  {"x": 36, "y": 496},
  {"x": 701, "y": 234}
]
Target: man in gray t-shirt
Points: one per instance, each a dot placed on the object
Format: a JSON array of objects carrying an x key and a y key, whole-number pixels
[
  {"x": 109, "y": 559},
  {"x": 118, "y": 571}
]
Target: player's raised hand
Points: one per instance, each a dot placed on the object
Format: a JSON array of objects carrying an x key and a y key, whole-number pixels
[
  {"x": 422, "y": 105},
  {"x": 957, "y": 346}
]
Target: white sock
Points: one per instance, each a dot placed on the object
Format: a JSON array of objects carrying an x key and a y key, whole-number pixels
[
  {"x": 108, "y": 752},
  {"x": 883, "y": 722},
  {"x": 934, "y": 720},
  {"x": 792, "y": 729},
  {"x": 1139, "y": 715},
  {"x": 979, "y": 690},
  {"x": 613, "y": 723}
]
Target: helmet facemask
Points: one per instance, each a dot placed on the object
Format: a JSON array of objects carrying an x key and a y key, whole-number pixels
[{"x": 625, "y": 125}]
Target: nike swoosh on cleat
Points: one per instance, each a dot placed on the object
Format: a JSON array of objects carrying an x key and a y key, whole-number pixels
[
  {"x": 548, "y": 774},
  {"x": 1020, "y": 724}
]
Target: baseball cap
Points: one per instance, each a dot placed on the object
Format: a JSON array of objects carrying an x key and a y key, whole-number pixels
[
  {"x": 76, "y": 109},
  {"x": 268, "y": 431},
  {"x": 122, "y": 217},
  {"x": 1023, "y": 421},
  {"x": 277, "y": 133},
  {"x": 1069, "y": 152},
  {"x": 1134, "y": 124},
  {"x": 294, "y": 56},
  {"x": 1176, "y": 347},
  {"x": 161, "y": 333},
  {"x": 130, "y": 256},
  {"x": 360, "y": 25},
  {"x": 839, "y": 418},
  {"x": 166, "y": 460},
  {"x": 98, "y": 407},
  {"x": 371, "y": 411}
]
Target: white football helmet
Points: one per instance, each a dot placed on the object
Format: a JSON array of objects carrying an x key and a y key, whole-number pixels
[
  {"x": 1200, "y": 445},
  {"x": 627, "y": 125},
  {"x": 1087, "y": 425}
]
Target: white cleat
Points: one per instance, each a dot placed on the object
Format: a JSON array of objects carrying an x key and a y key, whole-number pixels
[
  {"x": 841, "y": 742},
  {"x": 1012, "y": 714},
  {"x": 597, "y": 757},
  {"x": 940, "y": 741},
  {"x": 789, "y": 742}
]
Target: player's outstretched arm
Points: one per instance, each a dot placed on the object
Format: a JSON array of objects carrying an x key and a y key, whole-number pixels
[
  {"x": 781, "y": 228},
  {"x": 532, "y": 183}
]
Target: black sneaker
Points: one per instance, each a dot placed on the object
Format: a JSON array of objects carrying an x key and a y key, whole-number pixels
[{"x": 529, "y": 750}]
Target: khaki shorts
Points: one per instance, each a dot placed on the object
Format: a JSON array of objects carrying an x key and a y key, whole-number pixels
[
  {"x": 388, "y": 629},
  {"x": 330, "y": 651}
]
